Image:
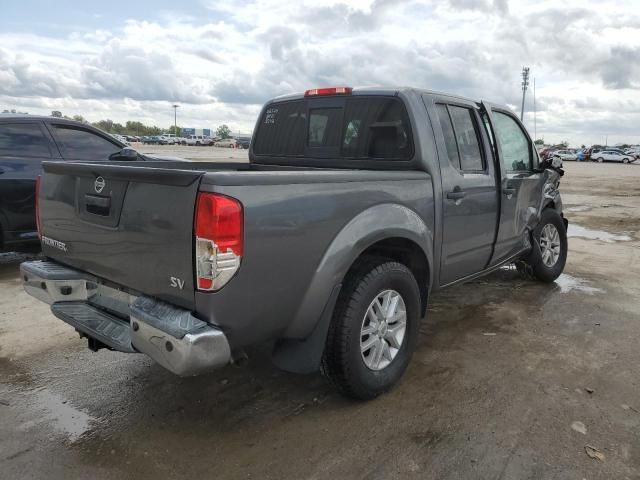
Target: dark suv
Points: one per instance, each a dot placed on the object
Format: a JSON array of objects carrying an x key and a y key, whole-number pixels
[{"x": 25, "y": 141}]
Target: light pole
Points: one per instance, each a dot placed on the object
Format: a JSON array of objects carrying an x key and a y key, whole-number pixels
[
  {"x": 175, "y": 119},
  {"x": 525, "y": 84}
]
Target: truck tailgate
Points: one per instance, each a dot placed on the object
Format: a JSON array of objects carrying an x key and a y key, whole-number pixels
[{"x": 130, "y": 225}]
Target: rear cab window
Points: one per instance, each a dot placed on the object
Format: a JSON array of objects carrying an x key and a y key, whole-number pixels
[{"x": 360, "y": 127}]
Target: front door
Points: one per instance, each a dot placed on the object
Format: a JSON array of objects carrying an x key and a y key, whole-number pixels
[
  {"x": 521, "y": 185},
  {"x": 469, "y": 189}
]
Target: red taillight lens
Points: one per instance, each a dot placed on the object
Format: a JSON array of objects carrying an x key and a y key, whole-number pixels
[
  {"x": 317, "y": 92},
  {"x": 38, "y": 227},
  {"x": 219, "y": 239}
]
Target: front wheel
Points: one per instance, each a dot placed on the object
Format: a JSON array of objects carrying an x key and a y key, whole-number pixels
[
  {"x": 374, "y": 329},
  {"x": 625, "y": 160},
  {"x": 551, "y": 237},
  {"x": 600, "y": 160}
]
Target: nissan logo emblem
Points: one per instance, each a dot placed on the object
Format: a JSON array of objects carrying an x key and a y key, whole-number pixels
[{"x": 99, "y": 184}]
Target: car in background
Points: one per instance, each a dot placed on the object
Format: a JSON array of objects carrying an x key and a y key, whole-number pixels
[
  {"x": 635, "y": 152},
  {"x": 565, "y": 155},
  {"x": 244, "y": 142},
  {"x": 198, "y": 140},
  {"x": 226, "y": 143},
  {"x": 612, "y": 156},
  {"x": 25, "y": 142}
]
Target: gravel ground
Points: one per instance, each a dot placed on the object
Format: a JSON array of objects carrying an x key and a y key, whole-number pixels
[{"x": 512, "y": 379}]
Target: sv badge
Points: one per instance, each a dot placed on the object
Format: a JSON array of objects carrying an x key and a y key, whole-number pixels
[{"x": 177, "y": 283}]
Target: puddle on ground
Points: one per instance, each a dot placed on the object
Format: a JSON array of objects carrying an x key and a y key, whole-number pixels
[
  {"x": 62, "y": 416},
  {"x": 569, "y": 283},
  {"x": 582, "y": 232},
  {"x": 579, "y": 208}
]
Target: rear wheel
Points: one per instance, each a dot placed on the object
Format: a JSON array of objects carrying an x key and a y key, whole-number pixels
[
  {"x": 625, "y": 160},
  {"x": 600, "y": 159},
  {"x": 374, "y": 329}
]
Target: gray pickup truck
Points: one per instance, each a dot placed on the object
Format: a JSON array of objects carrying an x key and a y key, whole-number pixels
[{"x": 356, "y": 205}]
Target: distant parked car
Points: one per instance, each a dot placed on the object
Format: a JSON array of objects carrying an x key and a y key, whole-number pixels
[
  {"x": 565, "y": 155},
  {"x": 25, "y": 142},
  {"x": 198, "y": 140},
  {"x": 612, "y": 156},
  {"x": 226, "y": 142},
  {"x": 244, "y": 142},
  {"x": 635, "y": 152}
]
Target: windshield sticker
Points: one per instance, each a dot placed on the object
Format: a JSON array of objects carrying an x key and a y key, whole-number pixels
[{"x": 270, "y": 116}]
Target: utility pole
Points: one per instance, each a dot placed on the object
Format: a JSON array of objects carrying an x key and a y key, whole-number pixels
[
  {"x": 175, "y": 119},
  {"x": 535, "y": 122},
  {"x": 525, "y": 84}
]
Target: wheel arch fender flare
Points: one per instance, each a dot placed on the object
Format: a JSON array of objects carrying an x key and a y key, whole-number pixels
[{"x": 302, "y": 344}]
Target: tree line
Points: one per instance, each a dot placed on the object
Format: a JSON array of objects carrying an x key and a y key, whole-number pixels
[{"x": 138, "y": 129}]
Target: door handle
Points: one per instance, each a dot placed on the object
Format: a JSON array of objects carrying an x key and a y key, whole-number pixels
[
  {"x": 456, "y": 195},
  {"x": 508, "y": 191}
]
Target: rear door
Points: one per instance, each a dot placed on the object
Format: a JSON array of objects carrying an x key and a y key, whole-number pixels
[
  {"x": 520, "y": 183},
  {"x": 470, "y": 199},
  {"x": 127, "y": 224}
]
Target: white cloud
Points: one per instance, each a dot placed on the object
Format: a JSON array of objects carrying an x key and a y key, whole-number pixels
[{"x": 585, "y": 56}]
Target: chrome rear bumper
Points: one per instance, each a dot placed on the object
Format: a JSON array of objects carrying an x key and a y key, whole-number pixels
[{"x": 170, "y": 335}]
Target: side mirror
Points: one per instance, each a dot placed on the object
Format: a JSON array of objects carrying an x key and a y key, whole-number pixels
[{"x": 126, "y": 154}]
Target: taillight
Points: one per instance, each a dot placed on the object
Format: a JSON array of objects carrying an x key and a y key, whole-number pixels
[
  {"x": 219, "y": 240},
  {"x": 317, "y": 92},
  {"x": 38, "y": 227}
]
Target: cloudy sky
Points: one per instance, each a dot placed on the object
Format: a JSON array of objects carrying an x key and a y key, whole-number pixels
[{"x": 220, "y": 59}]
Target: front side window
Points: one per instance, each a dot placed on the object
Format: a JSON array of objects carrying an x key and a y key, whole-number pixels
[
  {"x": 516, "y": 154},
  {"x": 23, "y": 140},
  {"x": 79, "y": 144}
]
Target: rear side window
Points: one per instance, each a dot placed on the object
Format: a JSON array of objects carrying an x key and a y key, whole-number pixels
[
  {"x": 79, "y": 144},
  {"x": 23, "y": 140},
  {"x": 461, "y": 137},
  {"x": 352, "y": 128}
]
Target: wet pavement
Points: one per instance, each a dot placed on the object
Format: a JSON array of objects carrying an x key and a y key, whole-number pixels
[{"x": 512, "y": 379}]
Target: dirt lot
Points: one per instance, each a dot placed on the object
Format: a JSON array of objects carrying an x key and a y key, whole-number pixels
[
  {"x": 195, "y": 153},
  {"x": 512, "y": 379}
]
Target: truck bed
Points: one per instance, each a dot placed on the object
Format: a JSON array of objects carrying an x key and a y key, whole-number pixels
[{"x": 136, "y": 233}]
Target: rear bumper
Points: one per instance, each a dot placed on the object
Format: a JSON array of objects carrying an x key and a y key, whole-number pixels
[{"x": 170, "y": 335}]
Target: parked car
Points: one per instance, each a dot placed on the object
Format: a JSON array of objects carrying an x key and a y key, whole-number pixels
[
  {"x": 328, "y": 244},
  {"x": 243, "y": 142},
  {"x": 198, "y": 140},
  {"x": 565, "y": 155},
  {"x": 25, "y": 142},
  {"x": 635, "y": 152},
  {"x": 226, "y": 143},
  {"x": 612, "y": 156}
]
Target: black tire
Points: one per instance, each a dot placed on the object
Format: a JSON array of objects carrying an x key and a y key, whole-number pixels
[
  {"x": 625, "y": 160},
  {"x": 599, "y": 159},
  {"x": 342, "y": 361},
  {"x": 540, "y": 269}
]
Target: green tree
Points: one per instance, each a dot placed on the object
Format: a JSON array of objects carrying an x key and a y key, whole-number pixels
[
  {"x": 56, "y": 113},
  {"x": 539, "y": 142},
  {"x": 223, "y": 131},
  {"x": 177, "y": 131},
  {"x": 79, "y": 118}
]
